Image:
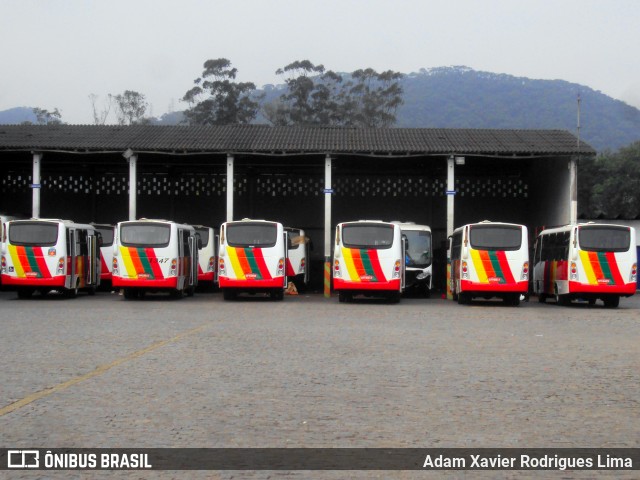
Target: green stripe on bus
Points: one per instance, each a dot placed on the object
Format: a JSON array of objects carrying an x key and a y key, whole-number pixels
[
  {"x": 144, "y": 261},
  {"x": 366, "y": 263},
  {"x": 604, "y": 265},
  {"x": 251, "y": 259},
  {"x": 495, "y": 263},
  {"x": 31, "y": 257}
]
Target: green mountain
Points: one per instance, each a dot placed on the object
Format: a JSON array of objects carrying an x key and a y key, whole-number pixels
[{"x": 459, "y": 97}]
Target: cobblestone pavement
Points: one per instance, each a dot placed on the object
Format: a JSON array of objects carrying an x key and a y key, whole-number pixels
[{"x": 312, "y": 372}]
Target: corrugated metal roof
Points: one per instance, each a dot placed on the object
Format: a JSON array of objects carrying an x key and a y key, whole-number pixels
[{"x": 278, "y": 140}]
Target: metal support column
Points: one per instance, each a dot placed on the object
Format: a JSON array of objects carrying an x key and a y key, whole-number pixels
[
  {"x": 328, "y": 191},
  {"x": 230, "y": 162},
  {"x": 450, "y": 193},
  {"x": 35, "y": 186},
  {"x": 133, "y": 185},
  {"x": 573, "y": 173}
]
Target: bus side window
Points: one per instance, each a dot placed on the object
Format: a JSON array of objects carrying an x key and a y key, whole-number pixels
[
  {"x": 184, "y": 238},
  {"x": 564, "y": 244},
  {"x": 537, "y": 256},
  {"x": 456, "y": 246}
]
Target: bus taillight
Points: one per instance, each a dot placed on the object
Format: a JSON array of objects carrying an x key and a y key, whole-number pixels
[
  {"x": 303, "y": 264},
  {"x": 280, "y": 267},
  {"x": 525, "y": 271},
  {"x": 574, "y": 271},
  {"x": 634, "y": 272},
  {"x": 60, "y": 267},
  {"x": 465, "y": 270},
  {"x": 396, "y": 269},
  {"x": 336, "y": 269},
  {"x": 174, "y": 267},
  {"x": 212, "y": 262},
  {"x": 221, "y": 269},
  {"x": 114, "y": 266}
]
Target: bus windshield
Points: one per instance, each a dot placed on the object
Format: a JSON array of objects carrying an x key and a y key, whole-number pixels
[
  {"x": 204, "y": 235},
  {"x": 495, "y": 237},
  {"x": 365, "y": 235},
  {"x": 107, "y": 235},
  {"x": 33, "y": 233},
  {"x": 419, "y": 251},
  {"x": 145, "y": 234},
  {"x": 260, "y": 234},
  {"x": 605, "y": 239}
]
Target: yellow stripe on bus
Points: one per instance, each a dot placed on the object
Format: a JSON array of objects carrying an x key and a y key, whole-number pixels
[
  {"x": 128, "y": 264},
  {"x": 235, "y": 263},
  {"x": 16, "y": 261},
  {"x": 348, "y": 262},
  {"x": 479, "y": 266},
  {"x": 588, "y": 268}
]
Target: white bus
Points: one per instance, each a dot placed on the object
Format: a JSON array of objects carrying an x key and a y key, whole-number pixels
[
  {"x": 208, "y": 257},
  {"x": 418, "y": 258},
  {"x": 368, "y": 260},
  {"x": 155, "y": 256},
  {"x": 252, "y": 258},
  {"x": 297, "y": 257},
  {"x": 106, "y": 253},
  {"x": 586, "y": 261},
  {"x": 489, "y": 259},
  {"x": 50, "y": 254}
]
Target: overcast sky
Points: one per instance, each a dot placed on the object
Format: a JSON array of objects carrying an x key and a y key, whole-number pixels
[{"x": 55, "y": 53}]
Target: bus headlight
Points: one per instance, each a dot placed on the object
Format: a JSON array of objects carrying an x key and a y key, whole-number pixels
[
  {"x": 525, "y": 271},
  {"x": 573, "y": 271},
  {"x": 634, "y": 273},
  {"x": 465, "y": 270},
  {"x": 337, "y": 273}
]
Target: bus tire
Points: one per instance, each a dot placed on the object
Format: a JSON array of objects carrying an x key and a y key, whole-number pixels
[
  {"x": 92, "y": 290},
  {"x": 464, "y": 298},
  {"x": 177, "y": 294},
  {"x": 276, "y": 294},
  {"x": 228, "y": 294},
  {"x": 130, "y": 293},
  {"x": 562, "y": 300},
  {"x": 512, "y": 300},
  {"x": 542, "y": 297},
  {"x": 190, "y": 291},
  {"x": 611, "y": 302},
  {"x": 73, "y": 292},
  {"x": 25, "y": 293},
  {"x": 394, "y": 297}
]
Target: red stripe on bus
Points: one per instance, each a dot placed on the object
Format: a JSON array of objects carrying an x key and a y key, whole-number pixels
[
  {"x": 504, "y": 266},
  {"x": 264, "y": 270},
  {"x": 42, "y": 264},
  {"x": 357, "y": 263},
  {"x": 613, "y": 267},
  {"x": 153, "y": 261},
  {"x": 375, "y": 263},
  {"x": 595, "y": 264}
]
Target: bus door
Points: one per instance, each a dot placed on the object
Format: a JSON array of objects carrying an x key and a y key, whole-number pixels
[
  {"x": 194, "y": 243},
  {"x": 93, "y": 260},
  {"x": 71, "y": 258}
]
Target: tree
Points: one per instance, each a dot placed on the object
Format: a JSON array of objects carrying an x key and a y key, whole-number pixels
[
  {"x": 130, "y": 107},
  {"x": 609, "y": 185},
  {"x": 217, "y": 99},
  {"x": 100, "y": 116},
  {"x": 45, "y": 117},
  {"x": 316, "y": 96}
]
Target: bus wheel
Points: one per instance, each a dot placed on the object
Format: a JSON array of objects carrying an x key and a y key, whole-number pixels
[
  {"x": 92, "y": 291},
  {"x": 394, "y": 297},
  {"x": 542, "y": 297},
  {"x": 611, "y": 302},
  {"x": 513, "y": 300},
  {"x": 177, "y": 294},
  {"x": 73, "y": 292},
  {"x": 562, "y": 300},
  {"x": 276, "y": 294},
  {"x": 228, "y": 294},
  {"x": 24, "y": 293},
  {"x": 130, "y": 293},
  {"x": 463, "y": 298},
  {"x": 190, "y": 291}
]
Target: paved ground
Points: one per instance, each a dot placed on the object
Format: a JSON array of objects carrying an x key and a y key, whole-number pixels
[{"x": 311, "y": 372}]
